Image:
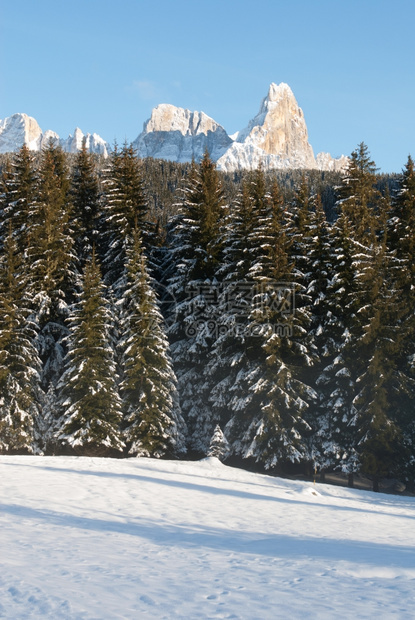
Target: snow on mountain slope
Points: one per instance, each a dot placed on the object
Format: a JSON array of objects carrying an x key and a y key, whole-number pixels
[
  {"x": 100, "y": 538},
  {"x": 93, "y": 142},
  {"x": 22, "y": 129},
  {"x": 278, "y": 132},
  {"x": 17, "y": 130},
  {"x": 181, "y": 135},
  {"x": 276, "y": 137}
]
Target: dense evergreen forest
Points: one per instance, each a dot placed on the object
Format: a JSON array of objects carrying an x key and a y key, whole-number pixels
[{"x": 155, "y": 309}]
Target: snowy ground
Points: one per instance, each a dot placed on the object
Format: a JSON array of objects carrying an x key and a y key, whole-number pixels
[{"x": 109, "y": 539}]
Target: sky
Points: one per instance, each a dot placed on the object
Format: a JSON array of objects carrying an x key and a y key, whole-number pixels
[{"x": 102, "y": 65}]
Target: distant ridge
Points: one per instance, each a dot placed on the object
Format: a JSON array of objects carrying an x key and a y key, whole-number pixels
[
  {"x": 275, "y": 138},
  {"x": 22, "y": 129}
]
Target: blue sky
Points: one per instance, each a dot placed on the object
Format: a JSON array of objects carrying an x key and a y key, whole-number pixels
[{"x": 103, "y": 65}]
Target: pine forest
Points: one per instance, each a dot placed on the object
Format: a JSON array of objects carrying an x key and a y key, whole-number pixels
[{"x": 172, "y": 311}]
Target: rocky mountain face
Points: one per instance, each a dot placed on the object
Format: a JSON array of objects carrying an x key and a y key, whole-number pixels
[
  {"x": 276, "y": 137},
  {"x": 22, "y": 129},
  {"x": 17, "y": 130},
  {"x": 180, "y": 135}
]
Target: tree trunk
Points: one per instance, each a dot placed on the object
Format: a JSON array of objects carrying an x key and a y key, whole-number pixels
[
  {"x": 375, "y": 483},
  {"x": 308, "y": 470},
  {"x": 350, "y": 480}
]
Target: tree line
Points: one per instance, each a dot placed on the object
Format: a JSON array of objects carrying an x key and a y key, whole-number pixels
[{"x": 248, "y": 306}]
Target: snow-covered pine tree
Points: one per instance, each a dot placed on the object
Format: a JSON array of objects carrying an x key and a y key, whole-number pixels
[
  {"x": 86, "y": 201},
  {"x": 305, "y": 230},
  {"x": 300, "y": 232},
  {"x": 51, "y": 274},
  {"x": 88, "y": 400},
  {"x": 152, "y": 423},
  {"x": 125, "y": 209},
  {"x": 218, "y": 446},
  {"x": 376, "y": 346},
  {"x": 356, "y": 403},
  {"x": 402, "y": 242},
  {"x": 320, "y": 275},
  {"x": 320, "y": 341},
  {"x": 358, "y": 194},
  {"x": 276, "y": 432},
  {"x": 228, "y": 366},
  {"x": 19, "y": 181},
  {"x": 354, "y": 235},
  {"x": 334, "y": 444},
  {"x": 402, "y": 221},
  {"x": 6, "y": 200},
  {"x": 20, "y": 394},
  {"x": 194, "y": 256}
]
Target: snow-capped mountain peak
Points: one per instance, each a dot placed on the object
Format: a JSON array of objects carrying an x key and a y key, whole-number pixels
[
  {"x": 276, "y": 137},
  {"x": 93, "y": 142},
  {"x": 276, "y": 93},
  {"x": 17, "y": 130},
  {"x": 20, "y": 129},
  {"x": 167, "y": 117},
  {"x": 180, "y": 135}
]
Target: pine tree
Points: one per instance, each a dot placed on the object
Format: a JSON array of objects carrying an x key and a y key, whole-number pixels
[
  {"x": 86, "y": 202},
  {"x": 219, "y": 446},
  {"x": 50, "y": 260},
  {"x": 88, "y": 400},
  {"x": 402, "y": 244},
  {"x": 358, "y": 194},
  {"x": 357, "y": 383},
  {"x": 260, "y": 393},
  {"x": 195, "y": 254},
  {"x": 334, "y": 443},
  {"x": 152, "y": 422},
  {"x": 229, "y": 363},
  {"x": 126, "y": 209},
  {"x": 20, "y": 395},
  {"x": 300, "y": 232},
  {"x": 321, "y": 272},
  {"x": 278, "y": 429},
  {"x": 376, "y": 348},
  {"x": 6, "y": 200},
  {"x": 319, "y": 333},
  {"x": 20, "y": 190}
]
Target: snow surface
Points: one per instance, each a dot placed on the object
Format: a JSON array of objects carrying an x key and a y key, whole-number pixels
[{"x": 86, "y": 538}]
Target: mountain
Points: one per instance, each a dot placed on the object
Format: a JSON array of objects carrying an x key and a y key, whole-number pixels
[
  {"x": 276, "y": 137},
  {"x": 17, "y": 130},
  {"x": 93, "y": 142},
  {"x": 180, "y": 135},
  {"x": 22, "y": 129}
]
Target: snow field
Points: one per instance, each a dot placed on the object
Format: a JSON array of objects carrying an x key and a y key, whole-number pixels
[{"x": 95, "y": 539}]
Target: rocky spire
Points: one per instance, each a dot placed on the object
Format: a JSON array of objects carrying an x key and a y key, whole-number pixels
[{"x": 277, "y": 136}]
